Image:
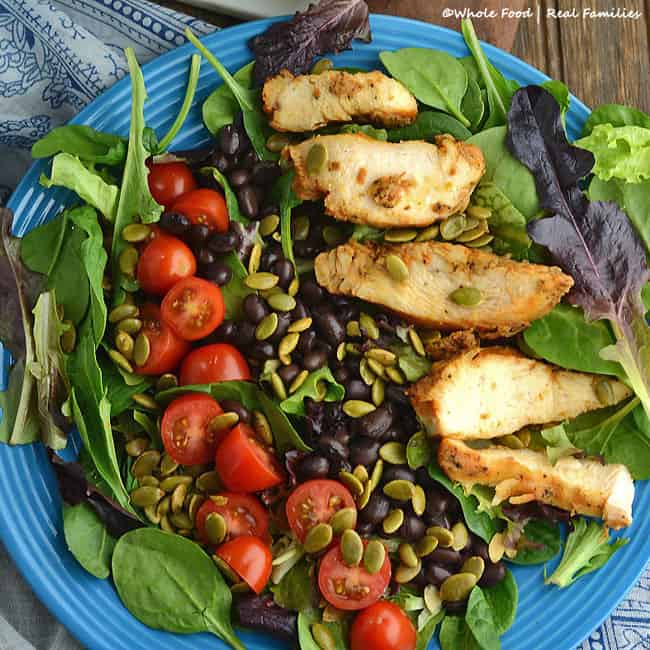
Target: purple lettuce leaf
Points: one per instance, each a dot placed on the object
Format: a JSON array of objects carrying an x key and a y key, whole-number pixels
[
  {"x": 594, "y": 242},
  {"x": 329, "y": 26}
]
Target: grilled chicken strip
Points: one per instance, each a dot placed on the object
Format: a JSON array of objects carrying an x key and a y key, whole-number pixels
[
  {"x": 512, "y": 293},
  {"x": 495, "y": 391},
  {"x": 387, "y": 184},
  {"x": 310, "y": 101},
  {"x": 583, "y": 486}
]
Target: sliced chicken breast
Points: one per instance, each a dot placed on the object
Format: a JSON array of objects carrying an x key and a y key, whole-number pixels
[
  {"x": 387, "y": 184},
  {"x": 309, "y": 102},
  {"x": 579, "y": 485},
  {"x": 512, "y": 294},
  {"x": 495, "y": 391}
]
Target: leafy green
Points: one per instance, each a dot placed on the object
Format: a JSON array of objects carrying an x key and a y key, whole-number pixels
[
  {"x": 410, "y": 362},
  {"x": 419, "y": 451},
  {"x": 288, "y": 201},
  {"x": 503, "y": 599},
  {"x": 81, "y": 141},
  {"x": 236, "y": 290},
  {"x": 425, "y": 634},
  {"x": 557, "y": 442},
  {"x": 540, "y": 542},
  {"x": 479, "y": 619},
  {"x": 361, "y": 232},
  {"x": 234, "y": 214},
  {"x": 169, "y": 583},
  {"x": 506, "y": 172},
  {"x": 135, "y": 201},
  {"x": 365, "y": 129},
  {"x": 118, "y": 392},
  {"x": 306, "y": 619},
  {"x": 472, "y": 106},
  {"x": 285, "y": 436},
  {"x": 427, "y": 125},
  {"x": 455, "y": 634},
  {"x": 436, "y": 78},
  {"x": 616, "y": 115},
  {"x": 19, "y": 424},
  {"x": 621, "y": 152},
  {"x": 295, "y": 404},
  {"x": 297, "y": 589},
  {"x": 221, "y": 107},
  {"x": 88, "y": 539},
  {"x": 587, "y": 548},
  {"x": 561, "y": 94}
]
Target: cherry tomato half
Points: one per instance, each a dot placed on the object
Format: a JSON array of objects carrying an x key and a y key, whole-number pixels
[
  {"x": 250, "y": 558},
  {"x": 166, "y": 349},
  {"x": 204, "y": 206},
  {"x": 244, "y": 464},
  {"x": 185, "y": 429},
  {"x": 193, "y": 308},
  {"x": 314, "y": 502},
  {"x": 164, "y": 261},
  {"x": 212, "y": 363},
  {"x": 243, "y": 513},
  {"x": 169, "y": 181},
  {"x": 351, "y": 587},
  {"x": 383, "y": 626}
]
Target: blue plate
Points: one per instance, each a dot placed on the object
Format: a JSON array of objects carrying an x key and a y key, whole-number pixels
[{"x": 30, "y": 519}]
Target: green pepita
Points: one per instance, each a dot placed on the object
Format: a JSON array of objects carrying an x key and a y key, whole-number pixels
[
  {"x": 356, "y": 408},
  {"x": 393, "y": 452},
  {"x": 426, "y": 545},
  {"x": 240, "y": 587},
  {"x": 151, "y": 512},
  {"x": 170, "y": 483},
  {"x": 269, "y": 224},
  {"x": 396, "y": 268},
  {"x": 300, "y": 325},
  {"x": 180, "y": 520},
  {"x": 208, "y": 482},
  {"x": 376, "y": 368},
  {"x": 322, "y": 65},
  {"x": 479, "y": 212},
  {"x": 333, "y": 235},
  {"x": 288, "y": 343},
  {"x": 278, "y": 386},
  {"x": 146, "y": 495},
  {"x": 281, "y": 302},
  {"x": 466, "y": 296},
  {"x": 393, "y": 520},
  {"x": 167, "y": 465},
  {"x": 277, "y": 142},
  {"x": 261, "y": 280},
  {"x": 395, "y": 375},
  {"x": 298, "y": 381},
  {"x": 68, "y": 339},
  {"x": 128, "y": 260},
  {"x": 166, "y": 525},
  {"x": 216, "y": 528},
  {"x": 510, "y": 441},
  {"x": 367, "y": 375},
  {"x": 399, "y": 489},
  {"x": 266, "y": 327},
  {"x": 150, "y": 481},
  {"x": 142, "y": 349},
  {"x": 461, "y": 536},
  {"x": 196, "y": 501},
  {"x": 374, "y": 556},
  {"x": 452, "y": 227},
  {"x": 496, "y": 548},
  {"x": 404, "y": 574},
  {"x": 353, "y": 329},
  {"x": 475, "y": 565},
  {"x": 378, "y": 391},
  {"x": 223, "y": 421},
  {"x": 352, "y": 483},
  {"x": 407, "y": 555},
  {"x": 255, "y": 258},
  {"x": 333, "y": 615},
  {"x": 376, "y": 474},
  {"x": 457, "y": 587},
  {"x": 473, "y": 233},
  {"x": 146, "y": 464},
  {"x": 318, "y": 538},
  {"x": 385, "y": 357},
  {"x": 362, "y": 501},
  {"x": 137, "y": 446},
  {"x": 351, "y": 547},
  {"x": 368, "y": 326},
  {"x": 604, "y": 392},
  {"x": 129, "y": 325},
  {"x": 343, "y": 519},
  {"x": 316, "y": 158},
  {"x": 178, "y": 500},
  {"x": 525, "y": 437},
  {"x": 225, "y": 570},
  {"x": 416, "y": 342},
  {"x": 432, "y": 599},
  {"x": 481, "y": 241},
  {"x": 120, "y": 360},
  {"x": 340, "y": 351},
  {"x": 400, "y": 235},
  {"x": 445, "y": 537},
  {"x": 164, "y": 506},
  {"x": 293, "y": 287},
  {"x": 429, "y": 233},
  {"x": 419, "y": 500},
  {"x": 301, "y": 227},
  {"x": 136, "y": 232},
  {"x": 322, "y": 636},
  {"x": 166, "y": 381},
  {"x": 262, "y": 427},
  {"x": 145, "y": 401}
]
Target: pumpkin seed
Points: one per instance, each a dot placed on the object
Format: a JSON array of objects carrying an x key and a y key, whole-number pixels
[
  {"x": 278, "y": 386},
  {"x": 466, "y": 296},
  {"x": 170, "y": 483},
  {"x": 524, "y": 436},
  {"x": 419, "y": 500},
  {"x": 453, "y": 226},
  {"x": 457, "y": 587},
  {"x": 136, "y": 232},
  {"x": 482, "y": 241},
  {"x": 269, "y": 224},
  {"x": 137, "y": 446},
  {"x": 180, "y": 520},
  {"x": 300, "y": 227},
  {"x": 416, "y": 342},
  {"x": 361, "y": 473},
  {"x": 473, "y": 234},
  {"x": 404, "y": 574},
  {"x": 239, "y": 587},
  {"x": 120, "y": 360},
  {"x": 282, "y": 302},
  {"x": 461, "y": 536},
  {"x": 300, "y": 325},
  {"x": 321, "y": 390},
  {"x": 262, "y": 425},
  {"x": 445, "y": 537},
  {"x": 322, "y": 636},
  {"x": 471, "y": 223},
  {"x": 352, "y": 483},
  {"x": 510, "y": 441},
  {"x": 362, "y": 501},
  {"x": 195, "y": 470},
  {"x": 376, "y": 368},
  {"x": 208, "y": 482},
  {"x": 146, "y": 464},
  {"x": 298, "y": 381},
  {"x": 368, "y": 326},
  {"x": 261, "y": 280},
  {"x": 343, "y": 519},
  {"x": 432, "y": 599},
  {"x": 288, "y": 343},
  {"x": 378, "y": 391},
  {"x": 351, "y": 547},
  {"x": 429, "y": 233},
  {"x": 150, "y": 481},
  {"x": 178, "y": 499},
  {"x": 318, "y": 538},
  {"x": 400, "y": 235},
  {"x": 374, "y": 556},
  {"x": 277, "y": 142},
  {"x": 216, "y": 528},
  {"x": 496, "y": 548},
  {"x": 357, "y": 408},
  {"x": 165, "y": 524},
  {"x": 151, "y": 512},
  {"x": 322, "y": 65},
  {"x": 479, "y": 212},
  {"x": 604, "y": 391},
  {"x": 164, "y": 506},
  {"x": 223, "y": 421},
  {"x": 333, "y": 235},
  {"x": 128, "y": 260},
  {"x": 316, "y": 158},
  {"x": 167, "y": 465},
  {"x": 353, "y": 329},
  {"x": 395, "y": 375},
  {"x": 396, "y": 268},
  {"x": 385, "y": 357},
  {"x": 146, "y": 495},
  {"x": 426, "y": 545},
  {"x": 130, "y": 325},
  {"x": 146, "y": 401},
  {"x": 142, "y": 349},
  {"x": 225, "y": 569},
  {"x": 367, "y": 375},
  {"x": 68, "y": 339},
  {"x": 219, "y": 500},
  {"x": 393, "y": 453},
  {"x": 123, "y": 311},
  {"x": 196, "y": 501},
  {"x": 399, "y": 489},
  {"x": 266, "y": 327},
  {"x": 475, "y": 565},
  {"x": 333, "y": 615},
  {"x": 407, "y": 555},
  {"x": 340, "y": 351},
  {"x": 255, "y": 258},
  {"x": 376, "y": 474},
  {"x": 393, "y": 520}
]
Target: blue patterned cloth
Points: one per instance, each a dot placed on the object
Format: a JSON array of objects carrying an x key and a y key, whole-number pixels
[{"x": 55, "y": 57}]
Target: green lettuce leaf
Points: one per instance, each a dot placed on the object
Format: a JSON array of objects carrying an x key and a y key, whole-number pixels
[
  {"x": 81, "y": 141},
  {"x": 317, "y": 382}
]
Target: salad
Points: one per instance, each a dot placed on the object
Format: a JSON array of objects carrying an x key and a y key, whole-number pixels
[{"x": 336, "y": 371}]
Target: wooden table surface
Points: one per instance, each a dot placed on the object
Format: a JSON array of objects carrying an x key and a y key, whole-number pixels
[{"x": 601, "y": 59}]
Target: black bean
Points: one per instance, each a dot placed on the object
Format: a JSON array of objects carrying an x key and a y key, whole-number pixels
[
  {"x": 493, "y": 574},
  {"x": 341, "y": 374},
  {"x": 248, "y": 202},
  {"x": 299, "y": 311},
  {"x": 217, "y": 272},
  {"x": 342, "y": 434},
  {"x": 227, "y": 332},
  {"x": 289, "y": 373},
  {"x": 376, "y": 510},
  {"x": 365, "y": 528},
  {"x": 455, "y": 607},
  {"x": 224, "y": 242},
  {"x": 262, "y": 350},
  {"x": 364, "y": 452},
  {"x": 440, "y": 519},
  {"x": 270, "y": 255},
  {"x": 174, "y": 223},
  {"x": 446, "y": 556},
  {"x": 269, "y": 208},
  {"x": 436, "y": 574},
  {"x": 393, "y": 434},
  {"x": 306, "y": 248},
  {"x": 310, "y": 292},
  {"x": 312, "y": 466},
  {"x": 396, "y": 394},
  {"x": 248, "y": 158},
  {"x": 438, "y": 501},
  {"x": 265, "y": 172},
  {"x": 197, "y": 234},
  {"x": 233, "y": 405},
  {"x": 331, "y": 328},
  {"x": 245, "y": 333},
  {"x": 397, "y": 472},
  {"x": 424, "y": 479},
  {"x": 331, "y": 447},
  {"x": 229, "y": 139},
  {"x": 339, "y": 464},
  {"x": 284, "y": 320},
  {"x": 314, "y": 359},
  {"x": 306, "y": 341},
  {"x": 255, "y": 308},
  {"x": 239, "y": 177},
  {"x": 479, "y": 547},
  {"x": 222, "y": 162},
  {"x": 412, "y": 528},
  {"x": 375, "y": 424},
  {"x": 284, "y": 270},
  {"x": 204, "y": 257},
  {"x": 384, "y": 324}
]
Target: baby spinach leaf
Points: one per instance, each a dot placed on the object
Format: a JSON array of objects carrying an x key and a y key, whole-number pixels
[
  {"x": 503, "y": 599},
  {"x": 418, "y": 450},
  {"x": 168, "y": 582},
  {"x": 40, "y": 247},
  {"x": 81, "y": 141},
  {"x": 472, "y": 105},
  {"x": 288, "y": 201},
  {"x": 221, "y": 107},
  {"x": 297, "y": 589},
  {"x": 427, "y": 125},
  {"x": 232, "y": 204},
  {"x": 118, "y": 392},
  {"x": 561, "y": 94},
  {"x": 316, "y": 381},
  {"x": 540, "y": 542},
  {"x": 425, "y": 634},
  {"x": 365, "y": 129},
  {"x": 616, "y": 115},
  {"x": 88, "y": 539},
  {"x": 235, "y": 291},
  {"x": 285, "y": 436},
  {"x": 479, "y": 618},
  {"x": 455, "y": 634},
  {"x": 436, "y": 78},
  {"x": 306, "y": 619}
]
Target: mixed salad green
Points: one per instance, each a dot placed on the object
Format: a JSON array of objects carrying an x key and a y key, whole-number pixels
[{"x": 249, "y": 451}]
